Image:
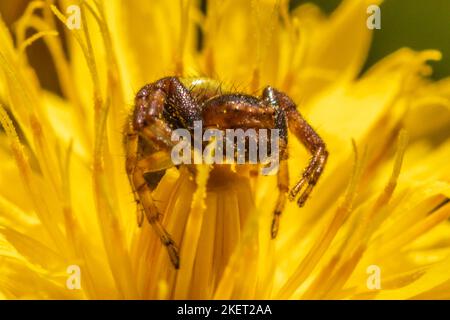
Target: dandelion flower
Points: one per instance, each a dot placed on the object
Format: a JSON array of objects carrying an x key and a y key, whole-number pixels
[{"x": 381, "y": 207}]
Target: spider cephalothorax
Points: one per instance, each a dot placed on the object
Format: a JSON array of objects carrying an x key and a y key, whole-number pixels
[{"x": 167, "y": 104}]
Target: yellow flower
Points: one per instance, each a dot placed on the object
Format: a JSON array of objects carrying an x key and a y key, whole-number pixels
[{"x": 380, "y": 210}]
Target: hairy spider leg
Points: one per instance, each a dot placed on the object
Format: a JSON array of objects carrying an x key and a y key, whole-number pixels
[
  {"x": 159, "y": 108},
  {"x": 137, "y": 169},
  {"x": 310, "y": 139},
  {"x": 283, "y": 188},
  {"x": 269, "y": 96},
  {"x": 131, "y": 147}
]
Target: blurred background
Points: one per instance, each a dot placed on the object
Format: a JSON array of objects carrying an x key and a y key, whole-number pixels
[{"x": 417, "y": 24}]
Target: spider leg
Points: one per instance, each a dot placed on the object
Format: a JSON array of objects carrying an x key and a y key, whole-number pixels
[
  {"x": 269, "y": 95},
  {"x": 283, "y": 188},
  {"x": 307, "y": 174},
  {"x": 151, "y": 212},
  {"x": 153, "y": 165},
  {"x": 311, "y": 176},
  {"x": 159, "y": 108},
  {"x": 131, "y": 150},
  {"x": 137, "y": 169},
  {"x": 315, "y": 145},
  {"x": 311, "y": 140}
]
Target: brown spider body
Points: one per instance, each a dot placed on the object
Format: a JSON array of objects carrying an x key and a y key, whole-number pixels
[
  {"x": 168, "y": 104},
  {"x": 230, "y": 111}
]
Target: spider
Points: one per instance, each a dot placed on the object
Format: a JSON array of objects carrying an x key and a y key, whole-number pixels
[{"x": 171, "y": 103}]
